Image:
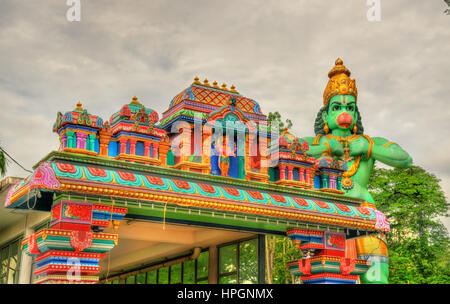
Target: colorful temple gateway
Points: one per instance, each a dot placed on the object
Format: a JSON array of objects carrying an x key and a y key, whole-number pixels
[{"x": 188, "y": 197}]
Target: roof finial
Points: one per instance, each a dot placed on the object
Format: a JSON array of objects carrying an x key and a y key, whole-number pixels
[
  {"x": 215, "y": 85},
  {"x": 135, "y": 100},
  {"x": 224, "y": 87},
  {"x": 233, "y": 89},
  {"x": 197, "y": 80},
  {"x": 79, "y": 106},
  {"x": 206, "y": 82}
]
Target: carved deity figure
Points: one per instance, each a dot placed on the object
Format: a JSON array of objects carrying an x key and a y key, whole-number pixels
[{"x": 340, "y": 133}]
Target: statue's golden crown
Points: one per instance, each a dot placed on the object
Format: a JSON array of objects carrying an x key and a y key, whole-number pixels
[{"x": 340, "y": 82}]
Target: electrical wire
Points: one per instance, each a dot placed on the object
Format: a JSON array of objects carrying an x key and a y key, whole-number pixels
[{"x": 6, "y": 153}]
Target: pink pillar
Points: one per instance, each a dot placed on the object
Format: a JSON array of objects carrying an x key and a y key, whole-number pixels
[
  {"x": 81, "y": 140},
  {"x": 133, "y": 146},
  {"x": 301, "y": 174},
  {"x": 147, "y": 149},
  {"x": 290, "y": 173},
  {"x": 64, "y": 140},
  {"x": 155, "y": 150},
  {"x": 332, "y": 179},
  {"x": 307, "y": 176},
  {"x": 282, "y": 172},
  {"x": 123, "y": 145}
]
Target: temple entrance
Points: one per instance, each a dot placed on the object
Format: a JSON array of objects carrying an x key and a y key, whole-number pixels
[{"x": 179, "y": 254}]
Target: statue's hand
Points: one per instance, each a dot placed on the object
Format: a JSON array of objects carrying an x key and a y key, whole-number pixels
[
  {"x": 359, "y": 146},
  {"x": 336, "y": 147}
]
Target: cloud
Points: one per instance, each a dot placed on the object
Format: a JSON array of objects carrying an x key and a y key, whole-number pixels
[{"x": 277, "y": 52}]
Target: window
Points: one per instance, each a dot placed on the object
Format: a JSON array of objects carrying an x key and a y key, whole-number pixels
[
  {"x": 238, "y": 262},
  {"x": 187, "y": 272},
  {"x": 9, "y": 263}
]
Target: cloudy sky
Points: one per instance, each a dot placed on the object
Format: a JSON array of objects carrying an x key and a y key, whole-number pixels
[{"x": 275, "y": 51}]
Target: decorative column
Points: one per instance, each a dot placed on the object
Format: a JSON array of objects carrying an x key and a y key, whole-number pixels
[
  {"x": 133, "y": 146},
  {"x": 311, "y": 177},
  {"x": 64, "y": 140},
  {"x": 147, "y": 149},
  {"x": 326, "y": 259},
  {"x": 81, "y": 140},
  {"x": 156, "y": 150},
  {"x": 282, "y": 172},
  {"x": 104, "y": 139},
  {"x": 332, "y": 179},
  {"x": 339, "y": 183},
  {"x": 69, "y": 251},
  {"x": 70, "y": 138},
  {"x": 123, "y": 145},
  {"x": 290, "y": 173},
  {"x": 308, "y": 177},
  {"x": 301, "y": 175},
  {"x": 164, "y": 146},
  {"x": 91, "y": 141},
  {"x": 324, "y": 178}
]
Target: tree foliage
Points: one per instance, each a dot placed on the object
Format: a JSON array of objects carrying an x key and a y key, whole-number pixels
[
  {"x": 275, "y": 118},
  {"x": 418, "y": 243},
  {"x": 2, "y": 163},
  {"x": 279, "y": 251}
]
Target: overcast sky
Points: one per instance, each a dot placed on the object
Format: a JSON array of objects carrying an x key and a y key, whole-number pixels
[{"x": 275, "y": 51}]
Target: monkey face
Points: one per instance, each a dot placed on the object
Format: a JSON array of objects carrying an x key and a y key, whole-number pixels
[{"x": 341, "y": 112}]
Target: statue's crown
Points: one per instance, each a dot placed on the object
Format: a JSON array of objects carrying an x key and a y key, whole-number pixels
[{"x": 340, "y": 82}]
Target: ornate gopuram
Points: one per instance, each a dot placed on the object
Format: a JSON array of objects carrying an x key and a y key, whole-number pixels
[{"x": 212, "y": 164}]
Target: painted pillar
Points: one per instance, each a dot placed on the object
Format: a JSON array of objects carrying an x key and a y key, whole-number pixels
[
  {"x": 64, "y": 140},
  {"x": 26, "y": 261},
  {"x": 324, "y": 178},
  {"x": 290, "y": 173},
  {"x": 164, "y": 146},
  {"x": 311, "y": 177},
  {"x": 105, "y": 137},
  {"x": 133, "y": 146},
  {"x": 91, "y": 141},
  {"x": 81, "y": 140},
  {"x": 155, "y": 150},
  {"x": 147, "y": 149},
  {"x": 339, "y": 183},
  {"x": 326, "y": 258},
  {"x": 70, "y": 139},
  {"x": 332, "y": 179},
  {"x": 69, "y": 251},
  {"x": 123, "y": 145},
  {"x": 282, "y": 172},
  {"x": 301, "y": 175},
  {"x": 308, "y": 177}
]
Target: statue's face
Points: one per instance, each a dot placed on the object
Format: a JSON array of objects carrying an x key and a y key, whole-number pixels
[{"x": 341, "y": 112}]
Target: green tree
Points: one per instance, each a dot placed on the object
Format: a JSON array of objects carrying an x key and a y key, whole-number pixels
[
  {"x": 418, "y": 243},
  {"x": 279, "y": 251},
  {"x": 275, "y": 118},
  {"x": 2, "y": 164}
]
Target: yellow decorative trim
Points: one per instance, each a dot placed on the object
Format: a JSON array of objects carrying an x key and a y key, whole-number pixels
[
  {"x": 286, "y": 182},
  {"x": 329, "y": 190},
  {"x": 80, "y": 151},
  {"x": 234, "y": 207},
  {"x": 138, "y": 158},
  {"x": 367, "y": 204},
  {"x": 256, "y": 175},
  {"x": 186, "y": 165}
]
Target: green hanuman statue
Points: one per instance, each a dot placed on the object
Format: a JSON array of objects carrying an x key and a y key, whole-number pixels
[{"x": 340, "y": 133}]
